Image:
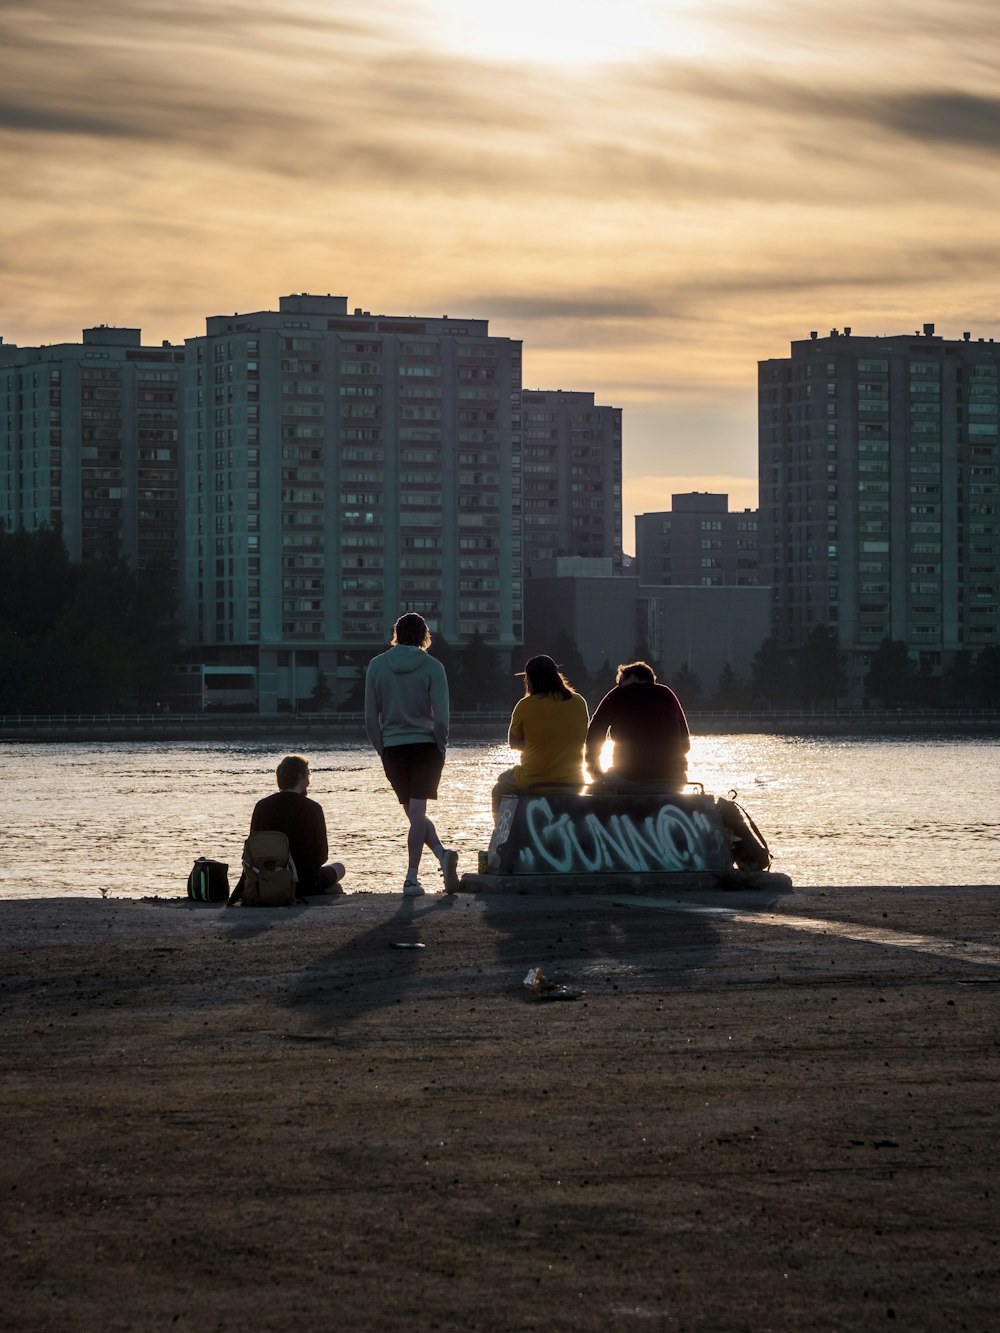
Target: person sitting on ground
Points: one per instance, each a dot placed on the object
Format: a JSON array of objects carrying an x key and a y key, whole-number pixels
[
  {"x": 549, "y": 727},
  {"x": 291, "y": 812},
  {"x": 649, "y": 729}
]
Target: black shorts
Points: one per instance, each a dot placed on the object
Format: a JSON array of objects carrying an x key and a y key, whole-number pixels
[{"x": 414, "y": 770}]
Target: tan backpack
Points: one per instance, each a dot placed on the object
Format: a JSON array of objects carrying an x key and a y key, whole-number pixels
[{"x": 269, "y": 878}]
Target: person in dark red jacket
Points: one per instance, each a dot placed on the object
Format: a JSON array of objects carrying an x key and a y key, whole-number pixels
[{"x": 649, "y": 729}]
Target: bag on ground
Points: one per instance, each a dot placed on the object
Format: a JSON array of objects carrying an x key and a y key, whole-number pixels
[
  {"x": 208, "y": 881},
  {"x": 269, "y": 878}
]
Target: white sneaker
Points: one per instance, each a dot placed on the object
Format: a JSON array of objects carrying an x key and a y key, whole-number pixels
[{"x": 412, "y": 888}]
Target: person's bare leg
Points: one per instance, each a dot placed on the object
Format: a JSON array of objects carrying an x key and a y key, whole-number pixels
[
  {"x": 422, "y": 832},
  {"x": 330, "y": 877}
]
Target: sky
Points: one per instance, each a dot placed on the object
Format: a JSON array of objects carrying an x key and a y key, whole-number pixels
[{"x": 652, "y": 196}]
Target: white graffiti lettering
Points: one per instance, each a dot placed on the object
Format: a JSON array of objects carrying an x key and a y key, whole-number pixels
[
  {"x": 670, "y": 840},
  {"x": 544, "y": 832}
]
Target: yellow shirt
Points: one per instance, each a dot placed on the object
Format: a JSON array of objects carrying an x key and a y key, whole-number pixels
[{"x": 554, "y": 732}]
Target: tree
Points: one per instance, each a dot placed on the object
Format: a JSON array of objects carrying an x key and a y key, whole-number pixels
[
  {"x": 730, "y": 692},
  {"x": 354, "y": 700},
  {"x": 36, "y": 580},
  {"x": 821, "y": 672},
  {"x": 18, "y": 673},
  {"x": 986, "y": 677},
  {"x": 321, "y": 699},
  {"x": 94, "y": 636},
  {"x": 772, "y": 674},
  {"x": 958, "y": 685},
  {"x": 891, "y": 674},
  {"x": 446, "y": 654},
  {"x": 567, "y": 654},
  {"x": 480, "y": 681},
  {"x": 602, "y": 680},
  {"x": 928, "y": 688},
  {"x": 643, "y": 653},
  {"x": 686, "y": 684}
]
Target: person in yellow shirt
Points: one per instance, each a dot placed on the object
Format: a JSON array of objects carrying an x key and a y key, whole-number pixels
[{"x": 549, "y": 727}]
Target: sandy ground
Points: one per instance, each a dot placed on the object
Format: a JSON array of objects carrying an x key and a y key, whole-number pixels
[{"x": 243, "y": 1120}]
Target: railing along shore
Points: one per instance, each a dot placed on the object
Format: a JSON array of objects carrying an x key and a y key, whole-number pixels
[{"x": 483, "y": 724}]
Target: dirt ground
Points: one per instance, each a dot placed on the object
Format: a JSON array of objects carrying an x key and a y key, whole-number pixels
[{"x": 242, "y": 1120}]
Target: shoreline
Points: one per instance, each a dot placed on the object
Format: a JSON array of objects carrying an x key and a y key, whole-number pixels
[
  {"x": 329, "y": 728},
  {"x": 275, "y": 1118}
]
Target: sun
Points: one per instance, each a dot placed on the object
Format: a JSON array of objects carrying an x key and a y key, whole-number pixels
[{"x": 552, "y": 32}]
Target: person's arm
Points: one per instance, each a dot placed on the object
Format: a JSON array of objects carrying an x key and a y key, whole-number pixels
[
  {"x": 322, "y": 843},
  {"x": 440, "y": 706},
  {"x": 373, "y": 713},
  {"x": 515, "y": 732},
  {"x": 683, "y": 731}
]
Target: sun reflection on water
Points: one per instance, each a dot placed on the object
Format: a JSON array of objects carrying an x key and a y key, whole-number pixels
[{"x": 130, "y": 819}]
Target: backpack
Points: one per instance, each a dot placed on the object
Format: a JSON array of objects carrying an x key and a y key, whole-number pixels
[
  {"x": 269, "y": 878},
  {"x": 208, "y": 881},
  {"x": 749, "y": 849}
]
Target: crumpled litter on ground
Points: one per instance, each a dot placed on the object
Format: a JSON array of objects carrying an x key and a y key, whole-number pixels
[{"x": 544, "y": 989}]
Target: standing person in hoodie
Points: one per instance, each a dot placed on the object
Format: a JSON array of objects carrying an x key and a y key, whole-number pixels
[{"x": 406, "y": 717}]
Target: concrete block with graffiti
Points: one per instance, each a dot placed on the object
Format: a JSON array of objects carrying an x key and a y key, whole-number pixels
[{"x": 559, "y": 833}]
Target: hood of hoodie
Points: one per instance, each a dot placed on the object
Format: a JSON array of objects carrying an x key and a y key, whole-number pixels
[{"x": 405, "y": 657}]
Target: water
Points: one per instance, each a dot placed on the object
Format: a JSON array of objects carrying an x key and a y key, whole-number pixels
[{"x": 129, "y": 819}]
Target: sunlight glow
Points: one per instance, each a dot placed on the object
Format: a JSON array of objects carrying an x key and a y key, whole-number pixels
[{"x": 550, "y": 32}]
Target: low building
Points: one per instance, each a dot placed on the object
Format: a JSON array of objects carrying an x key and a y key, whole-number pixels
[
  {"x": 698, "y": 542},
  {"x": 704, "y": 629},
  {"x": 610, "y": 617}
]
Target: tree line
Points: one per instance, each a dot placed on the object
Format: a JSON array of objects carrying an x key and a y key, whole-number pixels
[
  {"x": 816, "y": 676},
  {"x": 479, "y": 679},
  {"x": 96, "y": 637},
  {"x": 813, "y": 676},
  {"x": 80, "y": 638}
]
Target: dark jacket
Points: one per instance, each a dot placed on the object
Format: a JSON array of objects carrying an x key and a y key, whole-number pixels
[
  {"x": 649, "y": 729},
  {"x": 302, "y": 822}
]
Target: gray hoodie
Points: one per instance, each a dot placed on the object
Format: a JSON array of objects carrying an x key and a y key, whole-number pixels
[{"x": 406, "y": 699}]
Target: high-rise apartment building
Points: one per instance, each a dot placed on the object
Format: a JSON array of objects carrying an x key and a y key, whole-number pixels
[
  {"x": 309, "y": 473},
  {"x": 90, "y": 442},
  {"x": 879, "y": 498},
  {"x": 342, "y": 468},
  {"x": 697, "y": 543},
  {"x": 572, "y": 477}
]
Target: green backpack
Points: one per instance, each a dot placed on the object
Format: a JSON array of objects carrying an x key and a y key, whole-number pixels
[{"x": 208, "y": 881}]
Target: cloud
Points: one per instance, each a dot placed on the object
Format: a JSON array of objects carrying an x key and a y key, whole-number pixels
[
  {"x": 948, "y": 116},
  {"x": 583, "y": 305},
  {"x": 925, "y": 115},
  {"x": 821, "y": 31},
  {"x": 336, "y": 101},
  {"x": 649, "y": 231},
  {"x": 22, "y": 116},
  {"x": 653, "y": 492}
]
